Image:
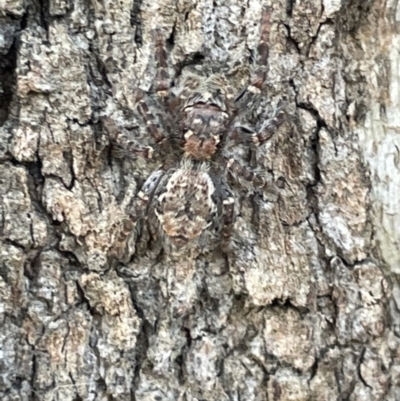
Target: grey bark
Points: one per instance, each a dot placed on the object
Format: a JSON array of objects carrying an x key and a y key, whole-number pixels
[{"x": 304, "y": 305}]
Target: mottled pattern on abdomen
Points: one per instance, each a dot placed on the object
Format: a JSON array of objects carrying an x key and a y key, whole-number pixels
[{"x": 186, "y": 208}]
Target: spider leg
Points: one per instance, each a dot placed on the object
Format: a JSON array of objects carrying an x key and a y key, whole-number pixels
[
  {"x": 244, "y": 134},
  {"x": 135, "y": 209},
  {"x": 160, "y": 88},
  {"x": 238, "y": 171},
  {"x": 143, "y": 199},
  {"x": 265, "y": 133},
  {"x": 123, "y": 146},
  {"x": 228, "y": 215},
  {"x": 154, "y": 128},
  {"x": 162, "y": 78},
  {"x": 259, "y": 75},
  {"x": 262, "y": 50}
]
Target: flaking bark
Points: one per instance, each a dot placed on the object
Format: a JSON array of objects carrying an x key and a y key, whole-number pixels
[{"x": 302, "y": 304}]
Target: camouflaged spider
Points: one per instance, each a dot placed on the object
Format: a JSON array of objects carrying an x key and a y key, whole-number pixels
[{"x": 191, "y": 199}]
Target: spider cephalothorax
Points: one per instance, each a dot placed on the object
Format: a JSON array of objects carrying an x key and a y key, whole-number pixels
[
  {"x": 191, "y": 197},
  {"x": 206, "y": 113}
]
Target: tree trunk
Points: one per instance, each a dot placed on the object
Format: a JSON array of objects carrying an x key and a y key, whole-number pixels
[{"x": 303, "y": 303}]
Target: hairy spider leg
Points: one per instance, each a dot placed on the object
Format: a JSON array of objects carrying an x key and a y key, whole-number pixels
[
  {"x": 136, "y": 211},
  {"x": 123, "y": 146},
  {"x": 259, "y": 75},
  {"x": 262, "y": 50},
  {"x": 160, "y": 88},
  {"x": 153, "y": 127},
  {"x": 267, "y": 132},
  {"x": 238, "y": 171},
  {"x": 146, "y": 194},
  {"x": 162, "y": 78},
  {"x": 259, "y": 137},
  {"x": 262, "y": 135},
  {"x": 228, "y": 216}
]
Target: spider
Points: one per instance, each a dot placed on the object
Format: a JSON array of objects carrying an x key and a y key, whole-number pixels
[{"x": 191, "y": 200}]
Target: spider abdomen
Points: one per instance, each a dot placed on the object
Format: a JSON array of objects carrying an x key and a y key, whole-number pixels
[{"x": 186, "y": 207}]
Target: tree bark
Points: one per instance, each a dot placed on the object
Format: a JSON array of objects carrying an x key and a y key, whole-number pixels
[{"x": 304, "y": 304}]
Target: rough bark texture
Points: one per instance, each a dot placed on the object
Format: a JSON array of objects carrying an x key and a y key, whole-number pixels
[{"x": 305, "y": 303}]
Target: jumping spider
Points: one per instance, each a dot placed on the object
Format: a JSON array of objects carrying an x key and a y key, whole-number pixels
[{"x": 191, "y": 199}]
